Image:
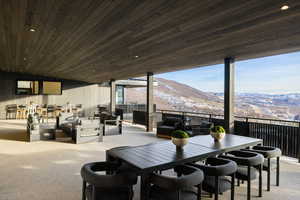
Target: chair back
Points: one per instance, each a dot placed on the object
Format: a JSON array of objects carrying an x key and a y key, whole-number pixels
[
  {"x": 267, "y": 151},
  {"x": 11, "y": 108},
  {"x": 112, "y": 180},
  {"x": 50, "y": 108},
  {"x": 218, "y": 167},
  {"x": 245, "y": 158},
  {"x": 78, "y": 106},
  {"x": 194, "y": 177}
]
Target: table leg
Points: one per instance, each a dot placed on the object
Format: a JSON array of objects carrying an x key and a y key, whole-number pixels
[
  {"x": 277, "y": 171},
  {"x": 144, "y": 193},
  {"x": 109, "y": 159},
  {"x": 260, "y": 181}
]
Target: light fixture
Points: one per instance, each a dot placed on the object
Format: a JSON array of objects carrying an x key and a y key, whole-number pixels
[
  {"x": 284, "y": 7},
  {"x": 32, "y": 29},
  {"x": 136, "y": 56}
]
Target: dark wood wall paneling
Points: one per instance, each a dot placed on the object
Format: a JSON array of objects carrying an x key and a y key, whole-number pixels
[{"x": 95, "y": 41}]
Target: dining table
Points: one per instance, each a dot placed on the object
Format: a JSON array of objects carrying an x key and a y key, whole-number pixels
[{"x": 164, "y": 155}]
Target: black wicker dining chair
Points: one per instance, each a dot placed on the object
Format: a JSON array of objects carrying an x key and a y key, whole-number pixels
[
  {"x": 247, "y": 163},
  {"x": 123, "y": 167},
  {"x": 270, "y": 154},
  {"x": 216, "y": 171},
  {"x": 107, "y": 186},
  {"x": 164, "y": 187}
]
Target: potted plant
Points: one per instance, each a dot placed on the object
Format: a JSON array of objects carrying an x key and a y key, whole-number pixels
[
  {"x": 217, "y": 132},
  {"x": 180, "y": 138}
]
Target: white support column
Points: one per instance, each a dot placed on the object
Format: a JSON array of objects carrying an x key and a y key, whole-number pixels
[
  {"x": 150, "y": 116},
  {"x": 112, "y": 96},
  {"x": 229, "y": 94}
]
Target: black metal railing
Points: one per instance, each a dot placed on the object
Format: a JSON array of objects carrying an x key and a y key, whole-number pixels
[
  {"x": 283, "y": 134},
  {"x": 129, "y": 108}
]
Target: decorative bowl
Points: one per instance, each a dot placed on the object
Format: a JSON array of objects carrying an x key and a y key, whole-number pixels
[
  {"x": 180, "y": 142},
  {"x": 217, "y": 136}
]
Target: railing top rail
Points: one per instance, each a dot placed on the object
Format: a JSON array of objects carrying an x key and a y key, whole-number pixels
[
  {"x": 210, "y": 114},
  {"x": 187, "y": 112}
]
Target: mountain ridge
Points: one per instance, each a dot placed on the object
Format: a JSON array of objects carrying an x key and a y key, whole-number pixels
[{"x": 172, "y": 95}]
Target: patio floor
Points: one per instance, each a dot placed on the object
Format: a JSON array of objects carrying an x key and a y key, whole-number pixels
[{"x": 49, "y": 170}]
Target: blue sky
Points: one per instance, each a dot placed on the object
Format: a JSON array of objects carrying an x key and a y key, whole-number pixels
[{"x": 275, "y": 75}]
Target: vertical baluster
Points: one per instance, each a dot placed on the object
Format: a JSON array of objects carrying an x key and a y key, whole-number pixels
[
  {"x": 298, "y": 140},
  {"x": 263, "y": 135},
  {"x": 287, "y": 141},
  {"x": 267, "y": 129},
  {"x": 295, "y": 141},
  {"x": 275, "y": 135}
]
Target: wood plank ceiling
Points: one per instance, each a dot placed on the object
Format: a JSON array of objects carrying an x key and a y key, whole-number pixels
[{"x": 96, "y": 40}]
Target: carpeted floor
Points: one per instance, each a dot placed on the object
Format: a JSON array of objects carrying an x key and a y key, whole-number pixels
[{"x": 49, "y": 170}]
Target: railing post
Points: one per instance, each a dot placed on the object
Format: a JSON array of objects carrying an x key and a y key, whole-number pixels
[{"x": 112, "y": 96}]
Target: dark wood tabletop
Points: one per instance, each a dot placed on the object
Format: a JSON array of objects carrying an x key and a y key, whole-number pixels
[
  {"x": 162, "y": 155},
  {"x": 229, "y": 143}
]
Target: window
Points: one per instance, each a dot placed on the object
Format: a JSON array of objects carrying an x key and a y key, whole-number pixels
[
  {"x": 120, "y": 94},
  {"x": 52, "y": 88},
  {"x": 27, "y": 87}
]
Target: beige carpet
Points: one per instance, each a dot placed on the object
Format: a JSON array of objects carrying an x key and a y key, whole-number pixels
[{"x": 49, "y": 170}]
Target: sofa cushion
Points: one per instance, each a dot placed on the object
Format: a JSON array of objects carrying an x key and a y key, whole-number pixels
[
  {"x": 205, "y": 124},
  {"x": 165, "y": 130},
  {"x": 171, "y": 121}
]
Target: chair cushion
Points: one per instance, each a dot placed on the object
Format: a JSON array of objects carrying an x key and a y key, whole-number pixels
[
  {"x": 242, "y": 173},
  {"x": 208, "y": 184},
  {"x": 108, "y": 194},
  {"x": 157, "y": 193}
]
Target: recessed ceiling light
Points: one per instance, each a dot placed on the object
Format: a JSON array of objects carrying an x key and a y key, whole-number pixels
[
  {"x": 32, "y": 30},
  {"x": 136, "y": 56},
  {"x": 25, "y": 59},
  {"x": 284, "y": 7}
]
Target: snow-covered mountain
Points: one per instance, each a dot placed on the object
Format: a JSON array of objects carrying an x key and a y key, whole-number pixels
[{"x": 177, "y": 96}]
